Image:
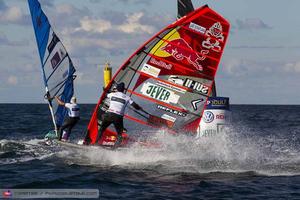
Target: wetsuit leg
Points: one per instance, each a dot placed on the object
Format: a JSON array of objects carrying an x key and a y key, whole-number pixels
[
  {"x": 66, "y": 124},
  {"x": 105, "y": 123},
  {"x": 118, "y": 123},
  {"x": 72, "y": 123}
]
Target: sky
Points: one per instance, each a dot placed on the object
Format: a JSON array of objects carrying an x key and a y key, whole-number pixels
[{"x": 260, "y": 64}]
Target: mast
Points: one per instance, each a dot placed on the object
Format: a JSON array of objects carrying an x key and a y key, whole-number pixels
[{"x": 184, "y": 8}]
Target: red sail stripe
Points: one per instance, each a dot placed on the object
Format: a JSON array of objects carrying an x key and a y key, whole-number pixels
[{"x": 139, "y": 121}]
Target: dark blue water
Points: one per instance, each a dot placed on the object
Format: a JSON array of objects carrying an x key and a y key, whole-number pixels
[{"x": 258, "y": 158}]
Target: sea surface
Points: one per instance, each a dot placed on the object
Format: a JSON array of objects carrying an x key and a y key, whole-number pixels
[{"x": 257, "y": 158}]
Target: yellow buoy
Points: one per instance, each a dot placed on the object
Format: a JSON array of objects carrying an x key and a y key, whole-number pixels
[{"x": 107, "y": 74}]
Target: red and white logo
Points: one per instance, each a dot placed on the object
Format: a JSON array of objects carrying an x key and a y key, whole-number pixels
[{"x": 180, "y": 50}]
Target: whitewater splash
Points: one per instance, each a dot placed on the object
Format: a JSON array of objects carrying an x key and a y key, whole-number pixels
[{"x": 228, "y": 152}]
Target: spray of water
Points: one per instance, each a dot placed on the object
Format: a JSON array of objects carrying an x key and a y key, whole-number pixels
[
  {"x": 227, "y": 152},
  {"x": 232, "y": 151}
]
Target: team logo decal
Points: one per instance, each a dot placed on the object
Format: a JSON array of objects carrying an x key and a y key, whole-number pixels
[
  {"x": 161, "y": 63},
  {"x": 208, "y": 117},
  {"x": 215, "y": 36},
  {"x": 179, "y": 49}
]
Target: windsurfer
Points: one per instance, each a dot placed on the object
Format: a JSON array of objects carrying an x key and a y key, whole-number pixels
[
  {"x": 115, "y": 112},
  {"x": 72, "y": 119}
]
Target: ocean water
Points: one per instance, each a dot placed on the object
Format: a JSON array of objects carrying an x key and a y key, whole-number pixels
[{"x": 257, "y": 158}]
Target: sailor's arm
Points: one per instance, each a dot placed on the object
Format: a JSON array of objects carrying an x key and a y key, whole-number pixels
[{"x": 60, "y": 102}]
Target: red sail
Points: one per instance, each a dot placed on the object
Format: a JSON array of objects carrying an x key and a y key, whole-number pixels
[{"x": 170, "y": 76}]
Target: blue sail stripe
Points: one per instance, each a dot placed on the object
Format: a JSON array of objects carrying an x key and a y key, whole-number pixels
[{"x": 41, "y": 26}]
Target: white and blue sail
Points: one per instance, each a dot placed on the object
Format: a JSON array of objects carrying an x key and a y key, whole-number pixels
[{"x": 57, "y": 67}]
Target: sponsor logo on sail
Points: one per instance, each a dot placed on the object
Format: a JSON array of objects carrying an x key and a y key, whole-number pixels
[
  {"x": 150, "y": 70},
  {"x": 214, "y": 37},
  {"x": 208, "y": 117},
  {"x": 176, "y": 79},
  {"x": 220, "y": 116},
  {"x": 172, "y": 87},
  {"x": 160, "y": 93},
  {"x": 161, "y": 63},
  {"x": 192, "y": 84},
  {"x": 168, "y": 117},
  {"x": 181, "y": 50},
  {"x": 216, "y": 102},
  {"x": 55, "y": 60},
  {"x": 208, "y": 133},
  {"x": 176, "y": 112},
  {"x": 195, "y": 85},
  {"x": 197, "y": 28}
]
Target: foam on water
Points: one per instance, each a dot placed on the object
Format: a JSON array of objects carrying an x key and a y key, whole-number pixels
[
  {"x": 228, "y": 152},
  {"x": 236, "y": 150}
]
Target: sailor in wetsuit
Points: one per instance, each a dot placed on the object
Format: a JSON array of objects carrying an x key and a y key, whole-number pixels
[
  {"x": 115, "y": 112},
  {"x": 72, "y": 119}
]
